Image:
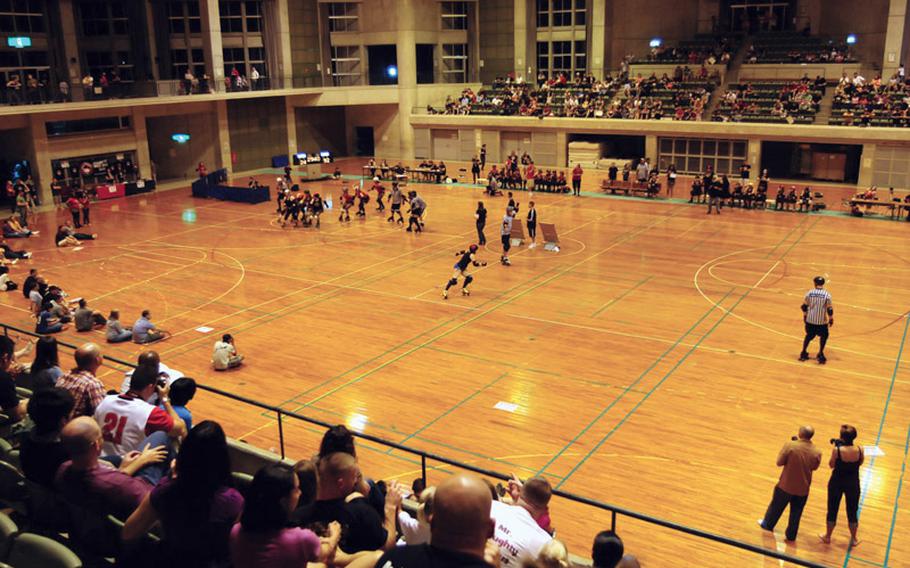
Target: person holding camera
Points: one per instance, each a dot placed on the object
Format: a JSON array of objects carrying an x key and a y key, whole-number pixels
[
  {"x": 818, "y": 315},
  {"x": 845, "y": 461},
  {"x": 126, "y": 420},
  {"x": 799, "y": 458}
]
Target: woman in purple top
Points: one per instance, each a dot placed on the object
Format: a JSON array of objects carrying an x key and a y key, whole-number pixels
[
  {"x": 262, "y": 539},
  {"x": 197, "y": 507}
]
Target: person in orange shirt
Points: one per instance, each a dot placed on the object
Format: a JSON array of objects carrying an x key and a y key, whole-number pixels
[{"x": 799, "y": 458}]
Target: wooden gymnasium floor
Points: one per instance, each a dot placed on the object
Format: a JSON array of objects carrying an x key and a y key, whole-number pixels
[{"x": 652, "y": 362}]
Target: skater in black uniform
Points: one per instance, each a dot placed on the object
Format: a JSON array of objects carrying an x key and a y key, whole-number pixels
[{"x": 461, "y": 269}]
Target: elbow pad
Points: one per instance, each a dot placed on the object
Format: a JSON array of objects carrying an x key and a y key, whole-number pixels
[
  {"x": 831, "y": 312},
  {"x": 804, "y": 308}
]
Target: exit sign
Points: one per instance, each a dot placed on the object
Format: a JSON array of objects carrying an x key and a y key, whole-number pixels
[{"x": 19, "y": 42}]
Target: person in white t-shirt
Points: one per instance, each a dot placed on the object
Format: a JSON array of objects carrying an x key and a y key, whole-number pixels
[
  {"x": 127, "y": 419},
  {"x": 518, "y": 533},
  {"x": 225, "y": 355},
  {"x": 152, "y": 360}
]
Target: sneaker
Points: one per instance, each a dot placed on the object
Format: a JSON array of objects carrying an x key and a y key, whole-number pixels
[
  {"x": 803, "y": 356},
  {"x": 821, "y": 359},
  {"x": 761, "y": 523},
  {"x": 27, "y": 255},
  {"x": 465, "y": 292}
]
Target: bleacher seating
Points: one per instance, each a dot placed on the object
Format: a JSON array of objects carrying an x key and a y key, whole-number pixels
[
  {"x": 792, "y": 47},
  {"x": 615, "y": 97},
  {"x": 873, "y": 103},
  {"x": 788, "y": 102},
  {"x": 703, "y": 49}
]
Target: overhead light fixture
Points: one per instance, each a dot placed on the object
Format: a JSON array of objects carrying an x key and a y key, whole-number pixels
[
  {"x": 391, "y": 71},
  {"x": 180, "y": 138},
  {"x": 656, "y": 42},
  {"x": 851, "y": 39}
]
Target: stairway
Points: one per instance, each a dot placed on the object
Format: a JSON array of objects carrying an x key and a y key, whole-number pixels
[
  {"x": 824, "y": 106},
  {"x": 730, "y": 77}
]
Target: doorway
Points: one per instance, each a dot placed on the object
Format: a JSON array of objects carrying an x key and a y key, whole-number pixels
[{"x": 363, "y": 141}]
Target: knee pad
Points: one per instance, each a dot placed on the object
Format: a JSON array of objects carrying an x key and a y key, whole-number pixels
[
  {"x": 453, "y": 281},
  {"x": 468, "y": 279}
]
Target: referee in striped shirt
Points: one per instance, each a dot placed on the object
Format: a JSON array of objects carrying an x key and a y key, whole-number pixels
[{"x": 818, "y": 314}]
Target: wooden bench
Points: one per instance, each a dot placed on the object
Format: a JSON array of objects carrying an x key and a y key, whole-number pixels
[
  {"x": 626, "y": 187},
  {"x": 892, "y": 207}
]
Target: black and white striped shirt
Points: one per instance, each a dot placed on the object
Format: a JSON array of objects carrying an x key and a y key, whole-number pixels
[{"x": 817, "y": 300}]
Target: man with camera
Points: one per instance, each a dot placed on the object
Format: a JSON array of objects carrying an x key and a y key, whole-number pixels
[
  {"x": 799, "y": 458},
  {"x": 127, "y": 419},
  {"x": 818, "y": 315}
]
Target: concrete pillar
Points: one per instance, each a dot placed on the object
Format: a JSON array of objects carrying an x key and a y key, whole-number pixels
[
  {"x": 753, "y": 156},
  {"x": 40, "y": 158},
  {"x": 651, "y": 149},
  {"x": 406, "y": 48},
  {"x": 143, "y": 157},
  {"x": 211, "y": 41},
  {"x": 281, "y": 43},
  {"x": 894, "y": 36},
  {"x": 152, "y": 40},
  {"x": 562, "y": 149},
  {"x": 521, "y": 41},
  {"x": 71, "y": 49},
  {"x": 223, "y": 134},
  {"x": 290, "y": 113},
  {"x": 866, "y": 169},
  {"x": 597, "y": 41}
]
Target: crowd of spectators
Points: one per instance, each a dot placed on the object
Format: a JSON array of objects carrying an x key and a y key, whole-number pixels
[
  {"x": 858, "y": 102},
  {"x": 137, "y": 456},
  {"x": 771, "y": 101},
  {"x": 700, "y": 51},
  {"x": 788, "y": 47},
  {"x": 681, "y": 97}
]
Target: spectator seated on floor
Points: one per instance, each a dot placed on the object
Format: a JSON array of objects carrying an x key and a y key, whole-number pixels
[
  {"x": 114, "y": 330},
  {"x": 14, "y": 255},
  {"x": 144, "y": 331},
  {"x": 48, "y": 323},
  {"x": 13, "y": 229},
  {"x": 86, "y": 319}
]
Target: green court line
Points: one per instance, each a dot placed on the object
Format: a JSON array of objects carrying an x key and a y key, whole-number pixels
[
  {"x": 655, "y": 363},
  {"x": 436, "y": 443},
  {"x": 458, "y": 405},
  {"x": 620, "y": 239},
  {"x": 640, "y": 283},
  {"x": 897, "y": 497},
  {"x": 869, "y": 562},
  {"x": 526, "y": 369},
  {"x": 629, "y": 414},
  {"x": 881, "y": 427},
  {"x": 628, "y": 389}
]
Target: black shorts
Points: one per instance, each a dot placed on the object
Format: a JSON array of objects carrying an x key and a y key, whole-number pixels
[
  {"x": 814, "y": 330},
  {"x": 396, "y": 206},
  {"x": 506, "y": 242}
]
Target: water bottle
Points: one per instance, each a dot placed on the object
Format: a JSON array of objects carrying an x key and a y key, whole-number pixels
[{"x": 328, "y": 202}]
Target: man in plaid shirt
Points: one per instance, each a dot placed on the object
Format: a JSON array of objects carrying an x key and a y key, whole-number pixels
[{"x": 87, "y": 390}]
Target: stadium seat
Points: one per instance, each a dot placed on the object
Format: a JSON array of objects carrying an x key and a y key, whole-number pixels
[
  {"x": 35, "y": 551},
  {"x": 8, "y": 530},
  {"x": 13, "y": 492}
]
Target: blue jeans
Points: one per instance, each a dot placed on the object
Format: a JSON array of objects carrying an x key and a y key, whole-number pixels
[
  {"x": 152, "y": 473},
  {"x": 124, "y": 335}
]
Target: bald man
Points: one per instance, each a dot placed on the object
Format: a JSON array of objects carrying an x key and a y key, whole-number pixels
[
  {"x": 518, "y": 532},
  {"x": 152, "y": 360},
  {"x": 799, "y": 458},
  {"x": 460, "y": 526},
  {"x": 336, "y": 500},
  {"x": 91, "y": 482},
  {"x": 87, "y": 390}
]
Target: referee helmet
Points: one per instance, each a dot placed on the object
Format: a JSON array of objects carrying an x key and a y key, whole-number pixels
[{"x": 819, "y": 281}]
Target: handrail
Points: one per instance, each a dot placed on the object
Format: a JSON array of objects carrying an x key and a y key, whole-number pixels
[{"x": 424, "y": 456}]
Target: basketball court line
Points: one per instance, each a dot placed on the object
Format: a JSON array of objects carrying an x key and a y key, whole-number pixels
[
  {"x": 897, "y": 496},
  {"x": 655, "y": 363},
  {"x": 561, "y": 272},
  {"x": 620, "y": 239},
  {"x": 679, "y": 363},
  {"x": 878, "y": 436}
]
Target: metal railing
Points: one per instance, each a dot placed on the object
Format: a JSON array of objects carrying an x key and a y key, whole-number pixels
[{"x": 425, "y": 457}]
